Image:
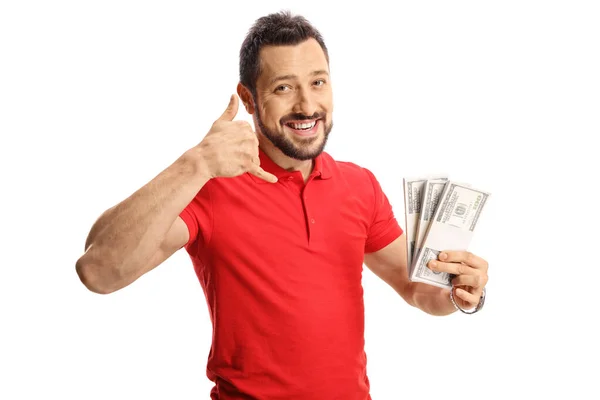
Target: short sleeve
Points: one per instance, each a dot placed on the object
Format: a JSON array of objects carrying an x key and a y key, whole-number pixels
[
  {"x": 198, "y": 216},
  {"x": 384, "y": 228}
]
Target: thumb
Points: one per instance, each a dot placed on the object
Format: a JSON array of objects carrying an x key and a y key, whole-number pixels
[{"x": 232, "y": 109}]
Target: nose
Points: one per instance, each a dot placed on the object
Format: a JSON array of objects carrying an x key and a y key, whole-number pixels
[{"x": 305, "y": 103}]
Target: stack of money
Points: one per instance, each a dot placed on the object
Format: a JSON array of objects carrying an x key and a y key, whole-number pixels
[{"x": 440, "y": 215}]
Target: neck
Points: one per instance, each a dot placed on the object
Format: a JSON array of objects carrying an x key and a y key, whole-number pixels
[{"x": 285, "y": 162}]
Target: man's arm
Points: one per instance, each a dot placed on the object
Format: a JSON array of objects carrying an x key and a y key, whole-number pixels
[
  {"x": 143, "y": 230},
  {"x": 470, "y": 278},
  {"x": 389, "y": 264}
]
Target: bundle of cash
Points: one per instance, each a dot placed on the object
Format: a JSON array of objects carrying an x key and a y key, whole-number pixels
[{"x": 440, "y": 214}]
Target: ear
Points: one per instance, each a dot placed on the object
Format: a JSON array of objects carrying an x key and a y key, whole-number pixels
[{"x": 246, "y": 97}]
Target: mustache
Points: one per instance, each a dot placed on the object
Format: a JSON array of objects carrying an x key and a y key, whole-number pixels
[{"x": 302, "y": 117}]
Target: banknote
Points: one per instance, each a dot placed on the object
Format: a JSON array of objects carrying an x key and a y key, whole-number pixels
[
  {"x": 413, "y": 188},
  {"x": 452, "y": 227},
  {"x": 431, "y": 194}
]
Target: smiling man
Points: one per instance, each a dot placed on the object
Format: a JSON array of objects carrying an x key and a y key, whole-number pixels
[
  {"x": 287, "y": 89},
  {"x": 277, "y": 231}
]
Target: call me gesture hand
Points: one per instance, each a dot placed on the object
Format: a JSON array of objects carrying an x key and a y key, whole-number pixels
[
  {"x": 230, "y": 148},
  {"x": 471, "y": 275}
]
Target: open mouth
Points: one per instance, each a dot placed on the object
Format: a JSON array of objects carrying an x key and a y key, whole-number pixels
[{"x": 304, "y": 128}]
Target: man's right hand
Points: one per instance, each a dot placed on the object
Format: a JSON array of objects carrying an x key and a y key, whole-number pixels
[{"x": 230, "y": 148}]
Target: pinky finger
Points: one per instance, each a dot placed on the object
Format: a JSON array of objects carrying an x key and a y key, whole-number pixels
[{"x": 262, "y": 174}]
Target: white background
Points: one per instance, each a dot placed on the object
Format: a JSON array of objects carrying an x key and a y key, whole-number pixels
[{"x": 96, "y": 98}]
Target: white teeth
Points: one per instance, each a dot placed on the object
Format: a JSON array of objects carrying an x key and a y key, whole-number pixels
[{"x": 303, "y": 126}]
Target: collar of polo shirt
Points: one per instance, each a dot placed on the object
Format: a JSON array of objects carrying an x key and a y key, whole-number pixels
[{"x": 321, "y": 170}]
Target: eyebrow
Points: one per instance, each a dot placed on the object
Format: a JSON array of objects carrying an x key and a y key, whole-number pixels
[{"x": 286, "y": 77}]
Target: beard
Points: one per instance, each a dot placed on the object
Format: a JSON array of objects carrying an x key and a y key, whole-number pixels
[{"x": 301, "y": 149}]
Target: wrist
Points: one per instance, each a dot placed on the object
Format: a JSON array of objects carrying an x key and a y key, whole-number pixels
[
  {"x": 198, "y": 164},
  {"x": 475, "y": 309}
]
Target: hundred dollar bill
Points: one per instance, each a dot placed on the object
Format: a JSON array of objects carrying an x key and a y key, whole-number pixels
[
  {"x": 412, "y": 209},
  {"x": 451, "y": 228},
  {"x": 431, "y": 194}
]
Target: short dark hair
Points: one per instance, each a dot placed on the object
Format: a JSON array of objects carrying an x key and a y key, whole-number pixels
[{"x": 276, "y": 29}]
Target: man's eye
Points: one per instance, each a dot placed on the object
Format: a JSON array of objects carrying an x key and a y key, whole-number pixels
[
  {"x": 322, "y": 81},
  {"x": 281, "y": 88}
]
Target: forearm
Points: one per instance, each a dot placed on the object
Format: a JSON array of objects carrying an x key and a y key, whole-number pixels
[
  {"x": 431, "y": 299},
  {"x": 125, "y": 237}
]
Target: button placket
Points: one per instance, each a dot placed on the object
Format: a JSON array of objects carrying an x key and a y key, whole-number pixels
[{"x": 309, "y": 212}]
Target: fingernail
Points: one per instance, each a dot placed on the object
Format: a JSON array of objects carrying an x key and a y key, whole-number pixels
[
  {"x": 432, "y": 264},
  {"x": 443, "y": 256}
]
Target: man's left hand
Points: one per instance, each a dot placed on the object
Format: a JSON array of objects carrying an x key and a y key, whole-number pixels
[{"x": 470, "y": 275}]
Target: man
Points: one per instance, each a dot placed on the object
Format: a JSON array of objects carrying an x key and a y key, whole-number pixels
[{"x": 277, "y": 232}]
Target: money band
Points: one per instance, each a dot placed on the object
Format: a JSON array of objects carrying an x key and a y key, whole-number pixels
[{"x": 479, "y": 305}]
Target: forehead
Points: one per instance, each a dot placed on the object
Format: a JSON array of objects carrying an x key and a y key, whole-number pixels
[{"x": 301, "y": 60}]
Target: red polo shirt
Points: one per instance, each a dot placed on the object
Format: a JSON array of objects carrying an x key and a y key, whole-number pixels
[{"x": 281, "y": 265}]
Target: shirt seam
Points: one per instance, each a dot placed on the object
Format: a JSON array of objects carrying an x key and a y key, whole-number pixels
[
  {"x": 212, "y": 217},
  {"x": 373, "y": 212}
]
